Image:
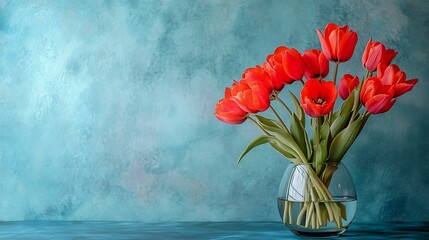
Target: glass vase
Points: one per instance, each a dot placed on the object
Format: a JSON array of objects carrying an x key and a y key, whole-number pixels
[{"x": 317, "y": 200}]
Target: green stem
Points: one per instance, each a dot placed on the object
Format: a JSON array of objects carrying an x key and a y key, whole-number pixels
[
  {"x": 367, "y": 113},
  {"x": 357, "y": 104},
  {"x": 285, "y": 211},
  {"x": 335, "y": 84},
  {"x": 336, "y": 72},
  {"x": 278, "y": 117},
  {"x": 284, "y": 105},
  {"x": 317, "y": 137},
  {"x": 259, "y": 125}
]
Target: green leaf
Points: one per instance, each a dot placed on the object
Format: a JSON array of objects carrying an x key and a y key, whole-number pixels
[
  {"x": 286, "y": 138},
  {"x": 343, "y": 116},
  {"x": 335, "y": 115},
  {"x": 324, "y": 130},
  {"x": 285, "y": 151},
  {"x": 356, "y": 92},
  {"x": 254, "y": 143},
  {"x": 365, "y": 118},
  {"x": 343, "y": 211},
  {"x": 298, "y": 133},
  {"x": 316, "y": 138},
  {"x": 308, "y": 145},
  {"x": 298, "y": 109},
  {"x": 342, "y": 142},
  {"x": 320, "y": 154},
  {"x": 347, "y": 106},
  {"x": 269, "y": 124},
  {"x": 282, "y": 140}
]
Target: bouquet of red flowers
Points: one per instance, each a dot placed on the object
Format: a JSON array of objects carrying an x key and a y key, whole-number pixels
[{"x": 333, "y": 131}]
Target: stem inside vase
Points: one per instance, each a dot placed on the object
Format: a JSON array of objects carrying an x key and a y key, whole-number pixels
[{"x": 308, "y": 202}]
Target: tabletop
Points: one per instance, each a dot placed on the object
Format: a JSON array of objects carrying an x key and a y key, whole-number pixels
[{"x": 194, "y": 230}]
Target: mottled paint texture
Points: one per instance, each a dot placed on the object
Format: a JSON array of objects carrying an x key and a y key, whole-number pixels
[{"x": 107, "y": 108}]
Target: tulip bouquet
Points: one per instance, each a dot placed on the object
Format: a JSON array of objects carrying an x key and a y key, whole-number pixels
[{"x": 333, "y": 131}]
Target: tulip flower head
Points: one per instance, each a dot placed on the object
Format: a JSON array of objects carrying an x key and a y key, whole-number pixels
[
  {"x": 347, "y": 84},
  {"x": 338, "y": 43},
  {"x": 228, "y": 111},
  {"x": 316, "y": 64},
  {"x": 376, "y": 97},
  {"x": 374, "y": 54},
  {"x": 318, "y": 97},
  {"x": 393, "y": 77},
  {"x": 274, "y": 67},
  {"x": 258, "y": 74},
  {"x": 284, "y": 66},
  {"x": 251, "y": 96}
]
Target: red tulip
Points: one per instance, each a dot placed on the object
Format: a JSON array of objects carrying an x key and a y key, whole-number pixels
[
  {"x": 376, "y": 97},
  {"x": 318, "y": 97},
  {"x": 228, "y": 111},
  {"x": 347, "y": 84},
  {"x": 338, "y": 43},
  {"x": 316, "y": 64},
  {"x": 258, "y": 74},
  {"x": 284, "y": 66},
  {"x": 393, "y": 77},
  {"x": 293, "y": 64},
  {"x": 274, "y": 67},
  {"x": 276, "y": 78},
  {"x": 388, "y": 56},
  {"x": 374, "y": 54},
  {"x": 251, "y": 96}
]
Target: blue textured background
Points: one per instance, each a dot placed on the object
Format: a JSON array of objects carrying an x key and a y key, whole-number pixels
[{"x": 107, "y": 108}]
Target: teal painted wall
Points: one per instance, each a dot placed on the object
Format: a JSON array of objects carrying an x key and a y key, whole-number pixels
[{"x": 106, "y": 108}]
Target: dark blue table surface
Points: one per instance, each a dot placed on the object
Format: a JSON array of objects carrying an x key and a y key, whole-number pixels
[{"x": 194, "y": 230}]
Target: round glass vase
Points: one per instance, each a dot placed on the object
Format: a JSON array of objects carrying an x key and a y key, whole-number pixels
[{"x": 317, "y": 200}]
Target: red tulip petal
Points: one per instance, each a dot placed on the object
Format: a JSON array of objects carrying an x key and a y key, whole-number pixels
[
  {"x": 347, "y": 46},
  {"x": 388, "y": 56},
  {"x": 374, "y": 58},
  {"x": 309, "y": 110},
  {"x": 323, "y": 65},
  {"x": 369, "y": 88},
  {"x": 229, "y": 118},
  {"x": 377, "y": 103},
  {"x": 293, "y": 64},
  {"x": 328, "y": 107},
  {"x": 310, "y": 89},
  {"x": 280, "y": 49},
  {"x": 326, "y": 48},
  {"x": 227, "y": 92},
  {"x": 314, "y": 90},
  {"x": 228, "y": 111},
  {"x": 366, "y": 51},
  {"x": 345, "y": 28},
  {"x": 402, "y": 88},
  {"x": 334, "y": 38},
  {"x": 330, "y": 27},
  {"x": 388, "y": 106},
  {"x": 311, "y": 63}
]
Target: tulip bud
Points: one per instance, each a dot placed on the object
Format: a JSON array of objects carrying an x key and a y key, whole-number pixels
[
  {"x": 375, "y": 53},
  {"x": 376, "y": 97},
  {"x": 347, "y": 84},
  {"x": 393, "y": 77}
]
